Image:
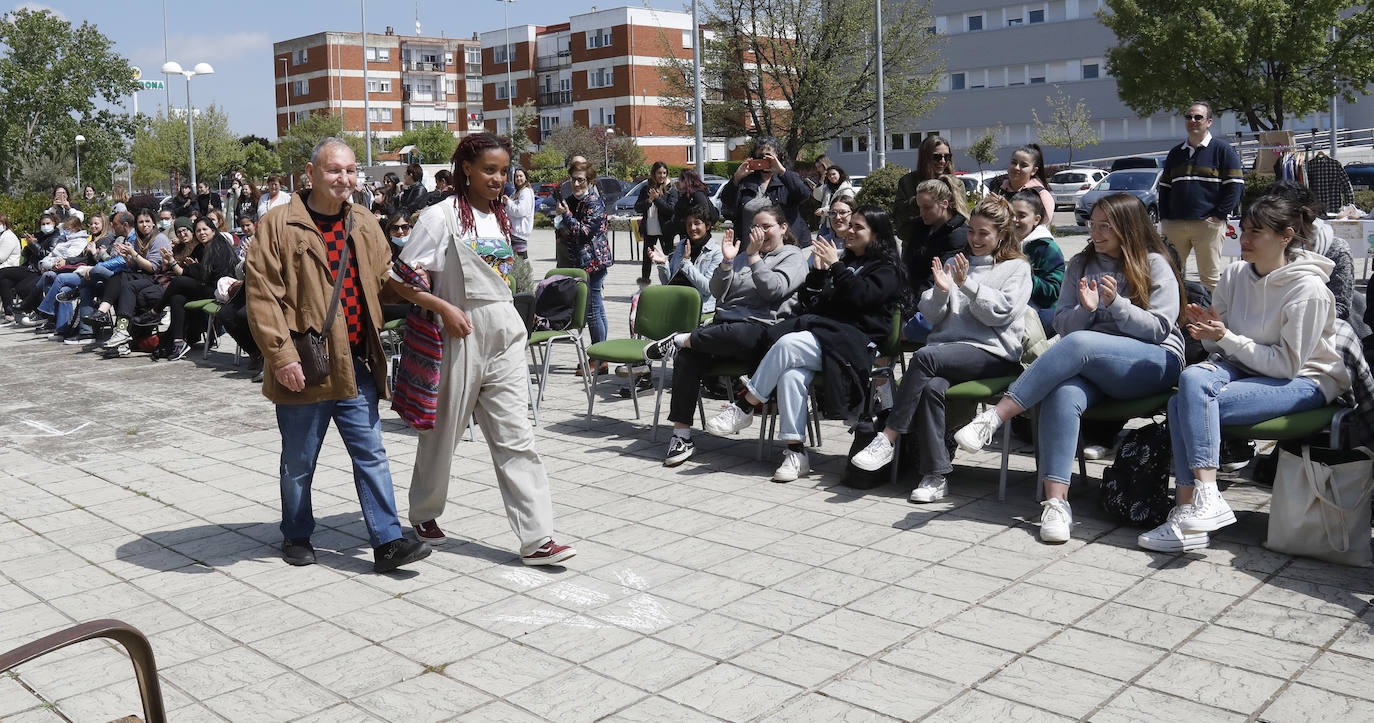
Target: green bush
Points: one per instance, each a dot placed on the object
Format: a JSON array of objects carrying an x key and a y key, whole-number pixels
[
  {"x": 1255, "y": 186},
  {"x": 880, "y": 189},
  {"x": 721, "y": 168},
  {"x": 1364, "y": 200},
  {"x": 25, "y": 210}
]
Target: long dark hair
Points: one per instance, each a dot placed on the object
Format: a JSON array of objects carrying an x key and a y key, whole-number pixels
[
  {"x": 924, "y": 159},
  {"x": 884, "y": 248},
  {"x": 468, "y": 150},
  {"x": 654, "y": 169},
  {"x": 826, "y": 178},
  {"x": 706, "y": 216},
  {"x": 1282, "y": 215},
  {"x": 691, "y": 181},
  {"x": 1038, "y": 158}
]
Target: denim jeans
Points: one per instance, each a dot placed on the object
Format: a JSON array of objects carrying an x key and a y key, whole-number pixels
[
  {"x": 303, "y": 427},
  {"x": 788, "y": 368},
  {"x": 1078, "y": 371},
  {"x": 1213, "y": 394},
  {"x": 596, "y": 310},
  {"x": 49, "y": 304}
]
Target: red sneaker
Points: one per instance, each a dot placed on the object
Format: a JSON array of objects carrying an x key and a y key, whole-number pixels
[
  {"x": 430, "y": 532},
  {"x": 551, "y": 553}
]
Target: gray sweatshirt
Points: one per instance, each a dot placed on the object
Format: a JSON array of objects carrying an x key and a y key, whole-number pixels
[
  {"x": 1156, "y": 325},
  {"x": 987, "y": 311},
  {"x": 764, "y": 291}
]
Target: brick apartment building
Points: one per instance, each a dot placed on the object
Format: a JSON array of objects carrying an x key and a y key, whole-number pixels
[
  {"x": 600, "y": 68},
  {"x": 413, "y": 81}
]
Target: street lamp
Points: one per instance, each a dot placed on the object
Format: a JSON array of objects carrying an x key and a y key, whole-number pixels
[
  {"x": 606, "y": 143},
  {"x": 79, "y": 140},
  {"x": 170, "y": 67},
  {"x": 510, "y": 96}
]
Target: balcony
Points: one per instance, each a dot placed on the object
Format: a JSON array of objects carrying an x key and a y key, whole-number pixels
[
  {"x": 550, "y": 62},
  {"x": 439, "y": 100},
  {"x": 555, "y": 98},
  {"x": 422, "y": 66}
]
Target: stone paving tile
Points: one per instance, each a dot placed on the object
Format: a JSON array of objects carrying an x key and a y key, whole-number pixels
[{"x": 699, "y": 593}]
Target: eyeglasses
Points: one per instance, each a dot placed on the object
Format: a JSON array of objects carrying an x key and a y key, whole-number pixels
[
  {"x": 841, "y": 214},
  {"x": 1102, "y": 226},
  {"x": 1196, "y": 118},
  {"x": 575, "y": 179},
  {"x": 942, "y": 156}
]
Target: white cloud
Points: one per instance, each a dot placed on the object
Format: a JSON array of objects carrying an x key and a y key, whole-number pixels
[{"x": 39, "y": 6}]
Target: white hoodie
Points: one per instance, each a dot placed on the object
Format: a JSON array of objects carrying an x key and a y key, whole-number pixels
[{"x": 1280, "y": 325}]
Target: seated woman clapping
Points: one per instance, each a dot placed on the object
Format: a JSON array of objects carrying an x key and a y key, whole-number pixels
[
  {"x": 1118, "y": 321},
  {"x": 754, "y": 286},
  {"x": 694, "y": 259},
  {"x": 847, "y": 304},
  {"x": 1270, "y": 333},
  {"x": 977, "y": 310}
]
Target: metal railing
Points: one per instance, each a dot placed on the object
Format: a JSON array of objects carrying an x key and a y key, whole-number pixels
[
  {"x": 549, "y": 62},
  {"x": 555, "y": 98},
  {"x": 423, "y": 66}
]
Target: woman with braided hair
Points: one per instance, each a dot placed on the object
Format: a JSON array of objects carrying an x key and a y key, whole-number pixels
[{"x": 463, "y": 243}]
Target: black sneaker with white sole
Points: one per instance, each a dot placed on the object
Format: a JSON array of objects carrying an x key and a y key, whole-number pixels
[
  {"x": 680, "y": 449},
  {"x": 662, "y": 349}
]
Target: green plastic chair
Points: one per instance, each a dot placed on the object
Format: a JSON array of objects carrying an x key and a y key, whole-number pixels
[
  {"x": 662, "y": 310},
  {"x": 210, "y": 308},
  {"x": 544, "y": 339},
  {"x": 984, "y": 390},
  {"x": 1298, "y": 425},
  {"x": 1118, "y": 410}
]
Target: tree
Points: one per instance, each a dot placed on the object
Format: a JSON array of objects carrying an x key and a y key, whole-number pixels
[
  {"x": 984, "y": 150},
  {"x": 260, "y": 161},
  {"x": 804, "y": 70},
  {"x": 1069, "y": 125},
  {"x": 525, "y": 117},
  {"x": 435, "y": 143},
  {"x": 1266, "y": 60},
  {"x": 295, "y": 147},
  {"x": 576, "y": 140},
  {"x": 53, "y": 77},
  {"x": 162, "y": 149}
]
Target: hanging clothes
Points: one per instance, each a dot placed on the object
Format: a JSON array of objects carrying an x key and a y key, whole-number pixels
[{"x": 1329, "y": 182}]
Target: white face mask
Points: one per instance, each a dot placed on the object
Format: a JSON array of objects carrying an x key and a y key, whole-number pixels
[
  {"x": 399, "y": 240},
  {"x": 46, "y": 228},
  {"x": 2, "y": 228},
  {"x": 164, "y": 224}
]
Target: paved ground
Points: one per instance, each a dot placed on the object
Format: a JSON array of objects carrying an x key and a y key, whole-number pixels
[{"x": 148, "y": 492}]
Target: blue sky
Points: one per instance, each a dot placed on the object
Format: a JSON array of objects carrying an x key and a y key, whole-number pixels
[{"x": 236, "y": 37}]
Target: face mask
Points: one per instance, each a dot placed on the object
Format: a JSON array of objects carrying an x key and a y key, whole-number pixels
[
  {"x": 2, "y": 228},
  {"x": 399, "y": 240},
  {"x": 164, "y": 224},
  {"x": 46, "y": 228}
]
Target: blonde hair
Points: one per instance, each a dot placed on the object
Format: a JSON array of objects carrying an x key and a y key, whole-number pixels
[
  {"x": 946, "y": 188},
  {"x": 998, "y": 210}
]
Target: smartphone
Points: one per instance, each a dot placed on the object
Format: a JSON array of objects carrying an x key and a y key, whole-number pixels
[
  {"x": 557, "y": 196},
  {"x": 758, "y": 164}
]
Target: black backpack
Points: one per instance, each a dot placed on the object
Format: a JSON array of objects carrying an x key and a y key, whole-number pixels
[
  {"x": 1135, "y": 488},
  {"x": 554, "y": 302}
]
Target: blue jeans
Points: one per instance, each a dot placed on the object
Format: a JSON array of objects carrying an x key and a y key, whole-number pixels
[
  {"x": 1213, "y": 394},
  {"x": 303, "y": 427},
  {"x": 788, "y": 367},
  {"x": 1078, "y": 371},
  {"x": 596, "y": 310},
  {"x": 1046, "y": 320},
  {"x": 49, "y": 305}
]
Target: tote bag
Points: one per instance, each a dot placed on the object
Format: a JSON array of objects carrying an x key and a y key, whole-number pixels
[
  {"x": 416, "y": 395},
  {"x": 1320, "y": 507}
]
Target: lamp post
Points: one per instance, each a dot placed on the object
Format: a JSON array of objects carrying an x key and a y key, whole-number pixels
[
  {"x": 606, "y": 145},
  {"x": 79, "y": 140},
  {"x": 696, "y": 90},
  {"x": 170, "y": 67},
  {"x": 882, "y": 121},
  {"x": 510, "y": 96}
]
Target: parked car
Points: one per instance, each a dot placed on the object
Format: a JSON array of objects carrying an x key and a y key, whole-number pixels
[
  {"x": 1137, "y": 162},
  {"x": 973, "y": 184},
  {"x": 1361, "y": 175},
  {"x": 1070, "y": 184},
  {"x": 626, "y": 204},
  {"x": 1143, "y": 183}
]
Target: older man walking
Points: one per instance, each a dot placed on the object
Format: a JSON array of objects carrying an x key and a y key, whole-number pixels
[
  {"x": 1201, "y": 185},
  {"x": 299, "y": 252}
]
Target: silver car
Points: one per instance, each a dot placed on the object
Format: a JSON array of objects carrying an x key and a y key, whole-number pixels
[{"x": 1069, "y": 184}]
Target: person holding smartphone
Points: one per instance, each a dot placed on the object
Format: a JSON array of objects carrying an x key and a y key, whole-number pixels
[{"x": 764, "y": 181}]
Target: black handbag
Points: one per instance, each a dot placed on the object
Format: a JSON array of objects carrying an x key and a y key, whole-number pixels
[{"x": 312, "y": 347}]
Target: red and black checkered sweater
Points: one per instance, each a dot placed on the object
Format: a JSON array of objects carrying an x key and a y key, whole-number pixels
[{"x": 332, "y": 229}]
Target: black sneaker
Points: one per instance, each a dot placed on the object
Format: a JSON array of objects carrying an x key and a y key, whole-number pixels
[
  {"x": 179, "y": 350},
  {"x": 1236, "y": 454},
  {"x": 47, "y": 327},
  {"x": 643, "y": 383},
  {"x": 397, "y": 553},
  {"x": 148, "y": 318},
  {"x": 68, "y": 295},
  {"x": 680, "y": 449},
  {"x": 98, "y": 319},
  {"x": 298, "y": 552},
  {"x": 662, "y": 349}
]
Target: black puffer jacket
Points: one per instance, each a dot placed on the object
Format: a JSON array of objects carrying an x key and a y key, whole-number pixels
[
  {"x": 925, "y": 243},
  {"x": 860, "y": 291}
]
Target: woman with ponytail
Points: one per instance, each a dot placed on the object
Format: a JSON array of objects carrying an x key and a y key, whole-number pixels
[{"x": 463, "y": 243}]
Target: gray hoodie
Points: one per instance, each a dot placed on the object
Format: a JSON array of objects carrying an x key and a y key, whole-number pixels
[
  {"x": 1280, "y": 325},
  {"x": 987, "y": 311},
  {"x": 1156, "y": 325},
  {"x": 764, "y": 291}
]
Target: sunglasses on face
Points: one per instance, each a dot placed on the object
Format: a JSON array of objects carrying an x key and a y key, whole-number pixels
[
  {"x": 401, "y": 228},
  {"x": 942, "y": 156},
  {"x": 1195, "y": 117}
]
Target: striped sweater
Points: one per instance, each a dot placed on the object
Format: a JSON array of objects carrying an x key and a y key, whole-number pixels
[{"x": 1204, "y": 184}]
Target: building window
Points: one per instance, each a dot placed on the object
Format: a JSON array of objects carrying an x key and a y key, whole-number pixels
[
  {"x": 448, "y": 58},
  {"x": 975, "y": 23},
  {"x": 473, "y": 56},
  {"x": 931, "y": 30},
  {"x": 956, "y": 81},
  {"x": 913, "y": 140},
  {"x": 299, "y": 57},
  {"x": 379, "y": 115},
  {"x": 502, "y": 91},
  {"x": 599, "y": 38},
  {"x": 1090, "y": 71},
  {"x": 601, "y": 78},
  {"x": 691, "y": 153},
  {"x": 1037, "y": 79},
  {"x": 300, "y": 87},
  {"x": 863, "y": 143},
  {"x": 548, "y": 123},
  {"x": 898, "y": 141},
  {"x": 1013, "y": 22},
  {"x": 379, "y": 55},
  {"x": 452, "y": 115},
  {"x": 500, "y": 53},
  {"x": 451, "y": 85},
  {"x": 379, "y": 86},
  {"x": 1036, "y": 16},
  {"x": 301, "y": 115},
  {"x": 687, "y": 38},
  {"x": 846, "y": 145}
]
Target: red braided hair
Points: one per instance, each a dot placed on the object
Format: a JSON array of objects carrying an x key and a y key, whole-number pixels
[{"x": 469, "y": 149}]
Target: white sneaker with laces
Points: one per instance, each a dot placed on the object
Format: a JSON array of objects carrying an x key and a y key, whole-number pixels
[
  {"x": 120, "y": 336},
  {"x": 1209, "y": 512},
  {"x": 933, "y": 487},
  {"x": 1056, "y": 520},
  {"x": 978, "y": 434},
  {"x": 875, "y": 455},
  {"x": 1169, "y": 537},
  {"x": 731, "y": 420},
  {"x": 794, "y": 465}
]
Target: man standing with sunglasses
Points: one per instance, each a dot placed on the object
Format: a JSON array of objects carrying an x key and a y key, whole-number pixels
[{"x": 1201, "y": 186}]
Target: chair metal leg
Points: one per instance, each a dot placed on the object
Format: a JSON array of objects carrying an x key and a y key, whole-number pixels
[
  {"x": 658, "y": 397},
  {"x": 634, "y": 393},
  {"x": 1006, "y": 458},
  {"x": 1336, "y": 426},
  {"x": 1082, "y": 461},
  {"x": 534, "y": 400}
]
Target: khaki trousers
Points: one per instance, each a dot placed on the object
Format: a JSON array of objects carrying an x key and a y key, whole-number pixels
[
  {"x": 485, "y": 374},
  {"x": 1202, "y": 236}
]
